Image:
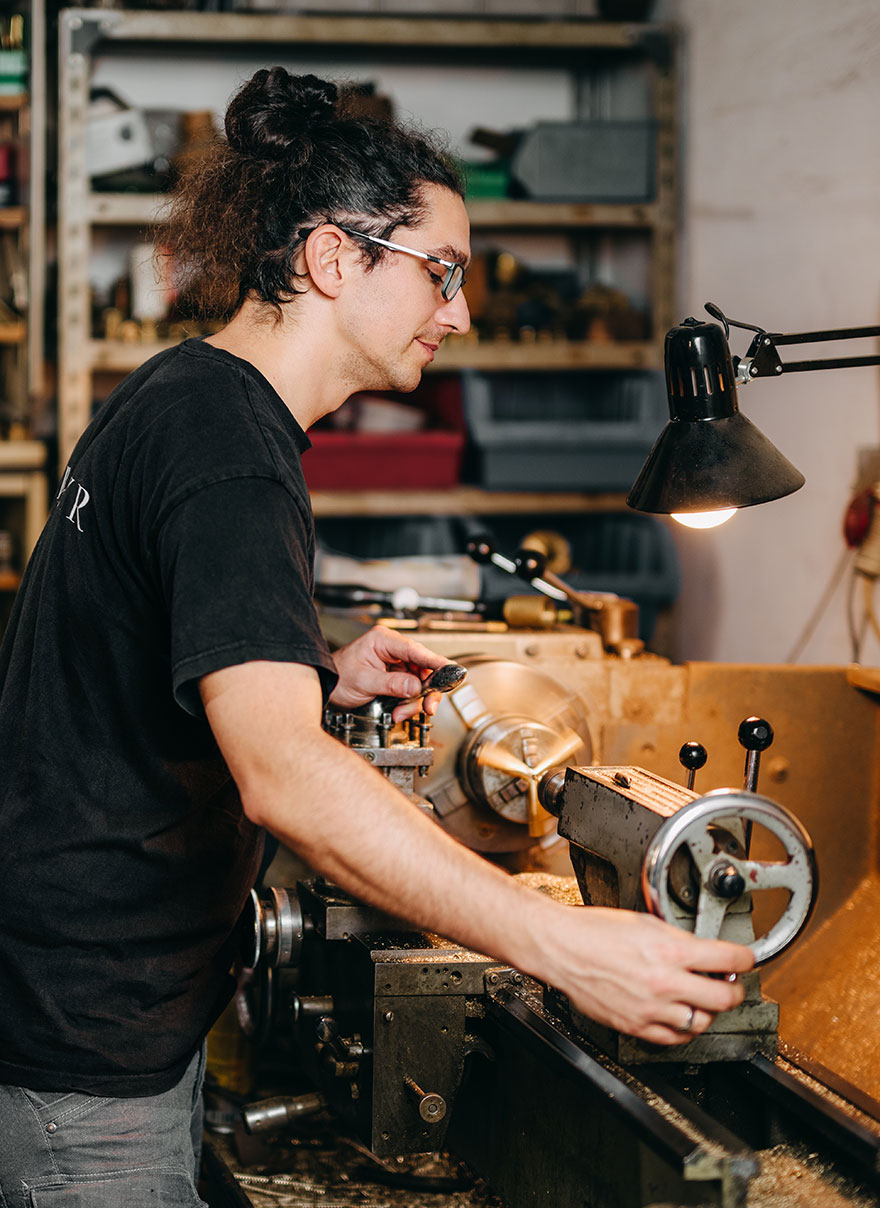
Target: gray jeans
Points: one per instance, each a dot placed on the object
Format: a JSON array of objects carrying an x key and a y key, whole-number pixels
[{"x": 63, "y": 1150}]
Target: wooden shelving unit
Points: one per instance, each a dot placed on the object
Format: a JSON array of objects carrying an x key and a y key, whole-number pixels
[
  {"x": 524, "y": 44},
  {"x": 23, "y": 480}
]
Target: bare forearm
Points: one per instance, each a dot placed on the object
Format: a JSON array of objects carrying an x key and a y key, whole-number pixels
[
  {"x": 630, "y": 971},
  {"x": 359, "y": 831}
]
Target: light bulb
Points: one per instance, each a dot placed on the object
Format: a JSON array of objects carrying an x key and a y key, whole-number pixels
[{"x": 703, "y": 520}]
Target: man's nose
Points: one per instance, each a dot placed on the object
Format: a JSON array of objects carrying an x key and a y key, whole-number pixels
[{"x": 455, "y": 314}]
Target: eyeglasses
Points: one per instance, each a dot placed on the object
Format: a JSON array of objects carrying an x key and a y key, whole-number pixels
[{"x": 452, "y": 282}]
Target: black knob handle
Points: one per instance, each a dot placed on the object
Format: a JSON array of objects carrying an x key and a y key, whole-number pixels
[
  {"x": 692, "y": 756},
  {"x": 530, "y": 564},
  {"x": 480, "y": 548},
  {"x": 755, "y": 734}
]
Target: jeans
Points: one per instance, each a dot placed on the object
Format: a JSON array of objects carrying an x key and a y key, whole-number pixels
[{"x": 70, "y": 1150}]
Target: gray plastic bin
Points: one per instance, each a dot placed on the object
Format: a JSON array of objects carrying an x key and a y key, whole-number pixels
[
  {"x": 590, "y": 161},
  {"x": 571, "y": 431}
]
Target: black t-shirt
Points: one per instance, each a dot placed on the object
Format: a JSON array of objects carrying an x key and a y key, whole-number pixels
[{"x": 180, "y": 542}]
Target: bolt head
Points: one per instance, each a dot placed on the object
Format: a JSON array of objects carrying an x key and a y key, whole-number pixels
[{"x": 432, "y": 1108}]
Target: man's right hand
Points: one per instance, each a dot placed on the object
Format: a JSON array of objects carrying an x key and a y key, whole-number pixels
[{"x": 639, "y": 975}]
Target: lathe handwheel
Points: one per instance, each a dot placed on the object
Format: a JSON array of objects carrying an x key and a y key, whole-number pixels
[{"x": 724, "y": 876}]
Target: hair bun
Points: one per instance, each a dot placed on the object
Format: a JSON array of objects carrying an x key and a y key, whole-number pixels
[{"x": 268, "y": 117}]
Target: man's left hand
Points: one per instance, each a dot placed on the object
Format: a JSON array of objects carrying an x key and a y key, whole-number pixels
[{"x": 384, "y": 662}]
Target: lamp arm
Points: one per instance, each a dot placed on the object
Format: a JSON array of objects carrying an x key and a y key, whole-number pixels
[{"x": 763, "y": 360}]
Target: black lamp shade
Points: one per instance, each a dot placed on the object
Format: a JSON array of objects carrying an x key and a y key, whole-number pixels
[{"x": 709, "y": 456}]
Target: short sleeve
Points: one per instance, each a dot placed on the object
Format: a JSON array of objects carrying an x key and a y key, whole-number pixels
[{"x": 234, "y": 560}]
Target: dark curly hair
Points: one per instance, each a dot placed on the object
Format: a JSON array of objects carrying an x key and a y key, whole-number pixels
[{"x": 292, "y": 158}]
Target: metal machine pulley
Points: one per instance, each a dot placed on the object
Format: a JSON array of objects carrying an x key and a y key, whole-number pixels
[
  {"x": 494, "y": 738},
  {"x": 697, "y": 868},
  {"x": 272, "y": 929}
]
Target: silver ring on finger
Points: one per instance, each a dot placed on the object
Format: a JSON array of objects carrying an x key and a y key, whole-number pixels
[{"x": 689, "y": 1022}]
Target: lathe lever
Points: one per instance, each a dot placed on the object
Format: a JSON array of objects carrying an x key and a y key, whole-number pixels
[
  {"x": 756, "y": 735},
  {"x": 481, "y": 549},
  {"x": 692, "y": 757}
]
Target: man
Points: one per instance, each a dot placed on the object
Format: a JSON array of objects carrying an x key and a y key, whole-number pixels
[{"x": 164, "y": 675}]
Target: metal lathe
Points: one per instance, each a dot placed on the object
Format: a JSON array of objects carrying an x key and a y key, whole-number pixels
[{"x": 709, "y": 794}]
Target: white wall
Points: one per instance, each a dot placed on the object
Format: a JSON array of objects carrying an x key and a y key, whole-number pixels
[{"x": 782, "y": 229}]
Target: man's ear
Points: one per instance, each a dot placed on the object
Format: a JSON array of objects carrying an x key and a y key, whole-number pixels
[{"x": 329, "y": 257}]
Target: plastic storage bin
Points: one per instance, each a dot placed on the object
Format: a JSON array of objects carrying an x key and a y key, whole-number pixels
[
  {"x": 571, "y": 431},
  {"x": 371, "y": 460},
  {"x": 365, "y": 461},
  {"x": 594, "y": 161},
  {"x": 368, "y": 537}
]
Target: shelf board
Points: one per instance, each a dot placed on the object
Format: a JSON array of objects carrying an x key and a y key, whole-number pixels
[
  {"x": 118, "y": 357},
  {"x": 11, "y": 102},
  {"x": 142, "y": 209},
  {"x": 460, "y": 501},
  {"x": 522, "y": 35},
  {"x": 124, "y": 209},
  {"x": 22, "y": 455},
  {"x": 14, "y": 332},
  {"x": 13, "y": 218},
  {"x": 10, "y": 580},
  {"x": 458, "y": 353},
  {"x": 506, "y": 213}
]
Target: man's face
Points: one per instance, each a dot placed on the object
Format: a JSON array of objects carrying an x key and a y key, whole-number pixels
[{"x": 395, "y": 317}]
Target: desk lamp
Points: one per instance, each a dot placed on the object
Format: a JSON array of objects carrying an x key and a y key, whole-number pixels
[{"x": 710, "y": 459}]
